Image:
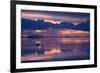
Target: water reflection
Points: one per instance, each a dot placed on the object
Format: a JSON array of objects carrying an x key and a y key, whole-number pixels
[{"x": 55, "y": 46}]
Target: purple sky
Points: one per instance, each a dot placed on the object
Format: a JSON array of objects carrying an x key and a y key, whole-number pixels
[{"x": 55, "y": 17}]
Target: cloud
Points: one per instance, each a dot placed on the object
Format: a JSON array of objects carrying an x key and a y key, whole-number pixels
[{"x": 53, "y": 17}]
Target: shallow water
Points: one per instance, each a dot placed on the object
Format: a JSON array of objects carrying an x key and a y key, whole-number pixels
[{"x": 55, "y": 47}]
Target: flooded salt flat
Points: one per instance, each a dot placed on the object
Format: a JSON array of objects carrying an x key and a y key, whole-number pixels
[{"x": 55, "y": 45}]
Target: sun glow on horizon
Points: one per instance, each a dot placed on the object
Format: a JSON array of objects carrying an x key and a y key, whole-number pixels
[
  {"x": 53, "y": 22},
  {"x": 38, "y": 31}
]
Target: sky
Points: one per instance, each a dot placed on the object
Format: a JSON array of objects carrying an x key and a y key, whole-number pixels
[{"x": 55, "y": 17}]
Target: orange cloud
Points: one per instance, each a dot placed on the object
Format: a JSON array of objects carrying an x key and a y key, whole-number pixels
[{"x": 34, "y": 15}]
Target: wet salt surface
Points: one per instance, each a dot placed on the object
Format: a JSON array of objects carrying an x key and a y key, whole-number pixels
[{"x": 55, "y": 49}]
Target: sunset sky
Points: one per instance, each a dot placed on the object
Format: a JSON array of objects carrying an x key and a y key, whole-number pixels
[
  {"x": 61, "y": 36},
  {"x": 55, "y": 17}
]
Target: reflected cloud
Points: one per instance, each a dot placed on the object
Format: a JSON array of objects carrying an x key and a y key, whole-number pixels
[
  {"x": 58, "y": 44},
  {"x": 73, "y": 32},
  {"x": 53, "y": 51},
  {"x": 74, "y": 40},
  {"x": 35, "y": 58},
  {"x": 56, "y": 54}
]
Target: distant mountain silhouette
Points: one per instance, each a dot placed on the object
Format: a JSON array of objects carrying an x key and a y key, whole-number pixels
[
  {"x": 84, "y": 26},
  {"x": 40, "y": 24},
  {"x": 30, "y": 24}
]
